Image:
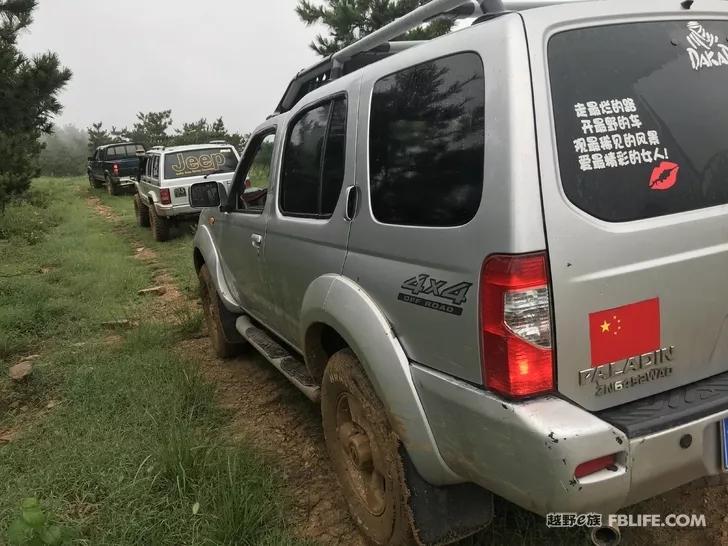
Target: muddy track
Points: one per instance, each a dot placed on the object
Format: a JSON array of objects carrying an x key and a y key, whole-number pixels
[
  {"x": 267, "y": 412},
  {"x": 277, "y": 420}
]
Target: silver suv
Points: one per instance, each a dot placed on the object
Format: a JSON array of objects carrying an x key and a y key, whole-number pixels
[
  {"x": 165, "y": 175},
  {"x": 497, "y": 258}
]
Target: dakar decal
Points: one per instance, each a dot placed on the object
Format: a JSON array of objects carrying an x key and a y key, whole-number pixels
[
  {"x": 449, "y": 299},
  {"x": 705, "y": 49},
  {"x": 613, "y": 135}
]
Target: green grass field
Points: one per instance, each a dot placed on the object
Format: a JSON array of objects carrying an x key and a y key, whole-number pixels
[{"x": 117, "y": 436}]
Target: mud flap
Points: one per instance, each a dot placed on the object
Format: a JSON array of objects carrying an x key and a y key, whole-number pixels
[
  {"x": 228, "y": 323},
  {"x": 442, "y": 515}
]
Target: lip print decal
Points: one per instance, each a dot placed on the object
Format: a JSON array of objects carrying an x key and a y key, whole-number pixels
[{"x": 664, "y": 176}]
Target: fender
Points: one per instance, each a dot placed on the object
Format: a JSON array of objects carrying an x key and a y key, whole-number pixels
[
  {"x": 150, "y": 198},
  {"x": 205, "y": 245},
  {"x": 343, "y": 305}
]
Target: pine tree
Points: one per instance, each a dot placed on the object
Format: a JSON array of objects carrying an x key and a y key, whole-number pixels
[
  {"x": 97, "y": 136},
  {"x": 350, "y": 20},
  {"x": 29, "y": 88}
]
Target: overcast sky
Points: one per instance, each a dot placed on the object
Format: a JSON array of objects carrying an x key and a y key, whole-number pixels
[{"x": 200, "y": 58}]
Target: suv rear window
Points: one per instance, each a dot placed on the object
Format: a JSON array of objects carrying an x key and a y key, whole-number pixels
[
  {"x": 641, "y": 116},
  {"x": 426, "y": 143},
  {"x": 199, "y": 162}
]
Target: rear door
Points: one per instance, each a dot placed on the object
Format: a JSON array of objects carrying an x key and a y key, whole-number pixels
[
  {"x": 186, "y": 167},
  {"x": 634, "y": 150},
  {"x": 308, "y": 231}
]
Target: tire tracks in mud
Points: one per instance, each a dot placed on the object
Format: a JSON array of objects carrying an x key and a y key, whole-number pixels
[{"x": 267, "y": 412}]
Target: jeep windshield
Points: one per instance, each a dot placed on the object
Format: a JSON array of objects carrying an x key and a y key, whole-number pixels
[
  {"x": 199, "y": 162},
  {"x": 641, "y": 116}
]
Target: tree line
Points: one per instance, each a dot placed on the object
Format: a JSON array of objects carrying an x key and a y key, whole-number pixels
[
  {"x": 29, "y": 88},
  {"x": 66, "y": 150}
]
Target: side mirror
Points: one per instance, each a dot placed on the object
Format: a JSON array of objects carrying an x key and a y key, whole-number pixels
[{"x": 204, "y": 195}]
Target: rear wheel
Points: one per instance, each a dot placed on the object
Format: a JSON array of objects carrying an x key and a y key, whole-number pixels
[
  {"x": 159, "y": 225},
  {"x": 112, "y": 188},
  {"x": 142, "y": 211},
  {"x": 93, "y": 182},
  {"x": 364, "y": 451},
  {"x": 211, "y": 306}
]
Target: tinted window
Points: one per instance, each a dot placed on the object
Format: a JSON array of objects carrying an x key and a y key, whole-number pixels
[
  {"x": 426, "y": 143},
  {"x": 641, "y": 117},
  {"x": 199, "y": 162},
  {"x": 313, "y": 162},
  {"x": 111, "y": 153},
  {"x": 333, "y": 175}
]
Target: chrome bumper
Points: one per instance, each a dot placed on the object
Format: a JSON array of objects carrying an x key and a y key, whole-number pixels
[{"x": 527, "y": 451}]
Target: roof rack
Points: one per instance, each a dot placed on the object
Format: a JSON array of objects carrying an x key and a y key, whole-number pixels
[{"x": 379, "y": 45}]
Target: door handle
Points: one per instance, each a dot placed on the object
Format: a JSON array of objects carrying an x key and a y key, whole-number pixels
[
  {"x": 352, "y": 203},
  {"x": 256, "y": 240}
]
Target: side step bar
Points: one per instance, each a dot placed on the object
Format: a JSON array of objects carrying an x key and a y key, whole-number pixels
[{"x": 289, "y": 364}]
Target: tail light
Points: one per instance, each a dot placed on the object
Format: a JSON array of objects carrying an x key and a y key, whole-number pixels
[
  {"x": 515, "y": 312},
  {"x": 595, "y": 465},
  {"x": 165, "y": 196},
  {"x": 115, "y": 169}
]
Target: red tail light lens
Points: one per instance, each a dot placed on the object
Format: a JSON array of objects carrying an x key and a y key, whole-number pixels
[
  {"x": 595, "y": 465},
  {"x": 115, "y": 169},
  {"x": 515, "y": 309},
  {"x": 165, "y": 196}
]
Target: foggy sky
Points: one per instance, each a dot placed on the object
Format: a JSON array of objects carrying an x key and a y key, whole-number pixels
[{"x": 229, "y": 58}]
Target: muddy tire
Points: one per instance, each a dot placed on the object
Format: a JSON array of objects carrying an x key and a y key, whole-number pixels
[
  {"x": 211, "y": 305},
  {"x": 159, "y": 225},
  {"x": 364, "y": 452},
  {"x": 93, "y": 182},
  {"x": 112, "y": 188},
  {"x": 141, "y": 211}
]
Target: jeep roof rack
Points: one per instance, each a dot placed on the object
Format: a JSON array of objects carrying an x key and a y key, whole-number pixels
[{"x": 379, "y": 45}]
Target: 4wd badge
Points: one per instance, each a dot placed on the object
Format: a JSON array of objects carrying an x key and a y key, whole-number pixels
[{"x": 451, "y": 297}]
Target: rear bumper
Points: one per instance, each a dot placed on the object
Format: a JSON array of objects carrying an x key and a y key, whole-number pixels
[
  {"x": 123, "y": 180},
  {"x": 181, "y": 212},
  {"x": 527, "y": 452}
]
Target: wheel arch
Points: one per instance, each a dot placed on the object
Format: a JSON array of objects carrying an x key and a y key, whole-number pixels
[
  {"x": 336, "y": 307},
  {"x": 205, "y": 253}
]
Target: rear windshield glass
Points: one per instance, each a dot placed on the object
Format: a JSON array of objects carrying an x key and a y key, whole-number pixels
[
  {"x": 199, "y": 162},
  {"x": 642, "y": 117},
  {"x": 124, "y": 152}
]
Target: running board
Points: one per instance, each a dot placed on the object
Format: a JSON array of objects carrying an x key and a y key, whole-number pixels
[{"x": 284, "y": 361}]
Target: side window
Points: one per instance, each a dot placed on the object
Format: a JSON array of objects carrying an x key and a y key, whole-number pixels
[
  {"x": 252, "y": 194},
  {"x": 426, "y": 143},
  {"x": 110, "y": 154},
  {"x": 155, "y": 167},
  {"x": 313, "y": 161}
]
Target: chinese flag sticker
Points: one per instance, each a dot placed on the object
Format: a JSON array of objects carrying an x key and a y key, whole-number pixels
[{"x": 620, "y": 333}]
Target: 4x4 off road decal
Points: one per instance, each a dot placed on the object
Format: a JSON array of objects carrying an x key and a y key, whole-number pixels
[{"x": 451, "y": 297}]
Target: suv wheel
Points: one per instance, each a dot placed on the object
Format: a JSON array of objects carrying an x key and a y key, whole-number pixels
[
  {"x": 211, "y": 306},
  {"x": 112, "y": 188},
  {"x": 93, "y": 182},
  {"x": 364, "y": 451},
  {"x": 141, "y": 211},
  {"x": 159, "y": 225}
]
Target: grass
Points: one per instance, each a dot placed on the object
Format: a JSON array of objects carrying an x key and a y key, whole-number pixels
[{"x": 131, "y": 451}]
